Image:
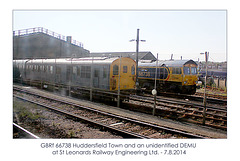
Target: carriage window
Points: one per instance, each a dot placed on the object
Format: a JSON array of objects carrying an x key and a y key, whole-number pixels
[
  {"x": 163, "y": 73},
  {"x": 133, "y": 70},
  {"x": 74, "y": 70},
  {"x": 51, "y": 69},
  {"x": 186, "y": 70},
  {"x": 115, "y": 70},
  {"x": 48, "y": 69},
  {"x": 176, "y": 71},
  {"x": 86, "y": 71},
  {"x": 44, "y": 68},
  {"x": 194, "y": 70},
  {"x": 34, "y": 67},
  {"x": 124, "y": 69},
  {"x": 38, "y": 68},
  {"x": 96, "y": 73},
  {"x": 78, "y": 71},
  {"x": 104, "y": 72},
  {"x": 58, "y": 70}
]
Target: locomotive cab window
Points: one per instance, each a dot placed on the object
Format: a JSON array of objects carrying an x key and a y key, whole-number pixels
[
  {"x": 194, "y": 70},
  {"x": 115, "y": 70},
  {"x": 186, "y": 70},
  {"x": 133, "y": 70},
  {"x": 124, "y": 69}
]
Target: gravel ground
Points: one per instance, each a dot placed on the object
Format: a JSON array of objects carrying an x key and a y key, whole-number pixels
[
  {"x": 47, "y": 124},
  {"x": 195, "y": 129}
]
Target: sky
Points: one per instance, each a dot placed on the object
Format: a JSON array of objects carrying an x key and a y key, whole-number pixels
[{"x": 185, "y": 33}]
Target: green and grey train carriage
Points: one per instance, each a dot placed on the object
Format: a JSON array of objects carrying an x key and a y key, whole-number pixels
[{"x": 98, "y": 72}]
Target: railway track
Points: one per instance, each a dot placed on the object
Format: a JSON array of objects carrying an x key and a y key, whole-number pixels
[
  {"x": 182, "y": 110},
  {"x": 215, "y": 99},
  {"x": 126, "y": 127},
  {"x": 20, "y": 132}
]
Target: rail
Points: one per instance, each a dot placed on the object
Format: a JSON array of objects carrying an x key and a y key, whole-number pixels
[
  {"x": 25, "y": 133},
  {"x": 128, "y": 133},
  {"x": 45, "y": 31}
]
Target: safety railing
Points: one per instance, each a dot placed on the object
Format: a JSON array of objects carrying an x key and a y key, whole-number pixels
[{"x": 45, "y": 31}]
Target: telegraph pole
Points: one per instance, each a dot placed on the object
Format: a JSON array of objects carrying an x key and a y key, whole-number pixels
[
  {"x": 119, "y": 75},
  {"x": 204, "y": 96},
  {"x": 137, "y": 49},
  {"x": 154, "y": 91}
]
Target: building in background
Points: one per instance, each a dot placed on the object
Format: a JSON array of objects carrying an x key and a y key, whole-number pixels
[
  {"x": 145, "y": 55},
  {"x": 42, "y": 43},
  {"x": 213, "y": 66}
]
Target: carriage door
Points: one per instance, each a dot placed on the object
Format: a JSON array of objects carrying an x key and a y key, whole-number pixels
[
  {"x": 96, "y": 78},
  {"x": 25, "y": 70}
]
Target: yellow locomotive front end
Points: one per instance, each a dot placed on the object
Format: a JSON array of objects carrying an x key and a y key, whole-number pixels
[
  {"x": 190, "y": 78},
  {"x": 123, "y": 74}
]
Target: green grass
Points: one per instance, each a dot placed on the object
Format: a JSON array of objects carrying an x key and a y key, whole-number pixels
[{"x": 20, "y": 108}]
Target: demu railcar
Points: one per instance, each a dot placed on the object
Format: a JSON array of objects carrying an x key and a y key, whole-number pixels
[{"x": 104, "y": 73}]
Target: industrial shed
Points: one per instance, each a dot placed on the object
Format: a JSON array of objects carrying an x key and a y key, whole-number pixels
[
  {"x": 145, "y": 55},
  {"x": 34, "y": 43}
]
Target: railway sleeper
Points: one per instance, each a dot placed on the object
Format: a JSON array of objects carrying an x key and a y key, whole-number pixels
[{"x": 194, "y": 116}]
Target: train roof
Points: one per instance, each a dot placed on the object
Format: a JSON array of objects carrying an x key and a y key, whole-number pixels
[
  {"x": 86, "y": 60},
  {"x": 169, "y": 63}
]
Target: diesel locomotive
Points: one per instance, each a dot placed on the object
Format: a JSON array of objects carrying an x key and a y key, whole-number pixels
[{"x": 178, "y": 76}]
